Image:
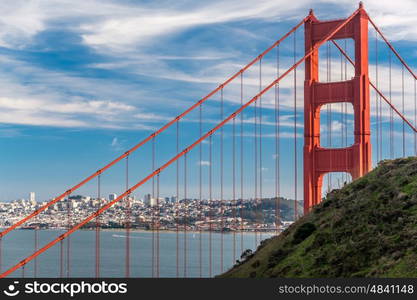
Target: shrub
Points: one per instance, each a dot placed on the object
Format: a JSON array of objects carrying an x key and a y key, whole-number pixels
[
  {"x": 256, "y": 264},
  {"x": 303, "y": 232}
]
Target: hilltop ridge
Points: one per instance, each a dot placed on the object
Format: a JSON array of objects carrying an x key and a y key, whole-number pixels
[{"x": 366, "y": 229}]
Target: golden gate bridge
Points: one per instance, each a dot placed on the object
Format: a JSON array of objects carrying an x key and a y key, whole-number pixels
[{"x": 338, "y": 83}]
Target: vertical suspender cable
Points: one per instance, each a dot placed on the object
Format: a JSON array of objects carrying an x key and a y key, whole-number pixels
[
  {"x": 295, "y": 134},
  {"x": 185, "y": 215},
  {"x": 178, "y": 201},
  {"x": 61, "y": 258},
  {"x": 241, "y": 165},
  {"x": 415, "y": 117},
  {"x": 98, "y": 219},
  {"x": 342, "y": 115},
  {"x": 221, "y": 184},
  {"x": 277, "y": 146},
  {"x": 69, "y": 237},
  {"x": 234, "y": 188},
  {"x": 344, "y": 112},
  {"x": 391, "y": 125},
  {"x": 210, "y": 205},
  {"x": 260, "y": 151},
  {"x": 330, "y": 113},
  {"x": 1, "y": 253},
  {"x": 379, "y": 107},
  {"x": 255, "y": 128},
  {"x": 380, "y": 127},
  {"x": 328, "y": 110},
  {"x": 200, "y": 196},
  {"x": 376, "y": 99},
  {"x": 35, "y": 261},
  {"x": 403, "y": 111},
  {"x": 127, "y": 223},
  {"x": 157, "y": 226},
  {"x": 153, "y": 208}
]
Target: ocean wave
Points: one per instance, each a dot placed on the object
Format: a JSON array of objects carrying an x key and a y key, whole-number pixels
[{"x": 130, "y": 237}]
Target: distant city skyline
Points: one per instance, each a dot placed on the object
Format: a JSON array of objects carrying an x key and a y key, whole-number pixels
[{"x": 148, "y": 213}]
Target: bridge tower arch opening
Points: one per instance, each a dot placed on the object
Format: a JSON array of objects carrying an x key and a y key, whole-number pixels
[{"x": 318, "y": 160}]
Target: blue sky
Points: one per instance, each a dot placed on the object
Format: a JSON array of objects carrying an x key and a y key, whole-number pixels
[{"x": 82, "y": 81}]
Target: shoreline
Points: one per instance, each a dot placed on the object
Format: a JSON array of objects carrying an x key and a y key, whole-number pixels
[
  {"x": 183, "y": 231},
  {"x": 160, "y": 231}
]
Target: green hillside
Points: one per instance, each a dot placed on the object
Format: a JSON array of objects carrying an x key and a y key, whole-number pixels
[
  {"x": 252, "y": 212},
  {"x": 366, "y": 229}
]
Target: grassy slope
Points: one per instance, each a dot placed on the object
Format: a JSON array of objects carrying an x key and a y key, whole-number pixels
[
  {"x": 366, "y": 229},
  {"x": 286, "y": 208}
]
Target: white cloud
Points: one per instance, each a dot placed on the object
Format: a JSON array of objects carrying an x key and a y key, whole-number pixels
[
  {"x": 46, "y": 112},
  {"x": 143, "y": 25},
  {"x": 52, "y": 98},
  {"x": 114, "y": 27},
  {"x": 76, "y": 107},
  {"x": 117, "y": 145},
  {"x": 27, "y": 118},
  {"x": 20, "y": 21},
  {"x": 396, "y": 19},
  {"x": 151, "y": 117},
  {"x": 123, "y": 26}
]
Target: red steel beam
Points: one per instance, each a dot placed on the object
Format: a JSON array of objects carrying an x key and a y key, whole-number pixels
[
  {"x": 377, "y": 90},
  {"x": 153, "y": 135},
  {"x": 175, "y": 158}
]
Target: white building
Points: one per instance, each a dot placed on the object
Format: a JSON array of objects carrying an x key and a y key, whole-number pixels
[
  {"x": 32, "y": 198},
  {"x": 153, "y": 202}
]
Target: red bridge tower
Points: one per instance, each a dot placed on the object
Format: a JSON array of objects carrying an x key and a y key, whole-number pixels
[{"x": 355, "y": 159}]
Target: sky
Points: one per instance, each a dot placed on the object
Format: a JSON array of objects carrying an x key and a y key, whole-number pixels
[{"x": 83, "y": 81}]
